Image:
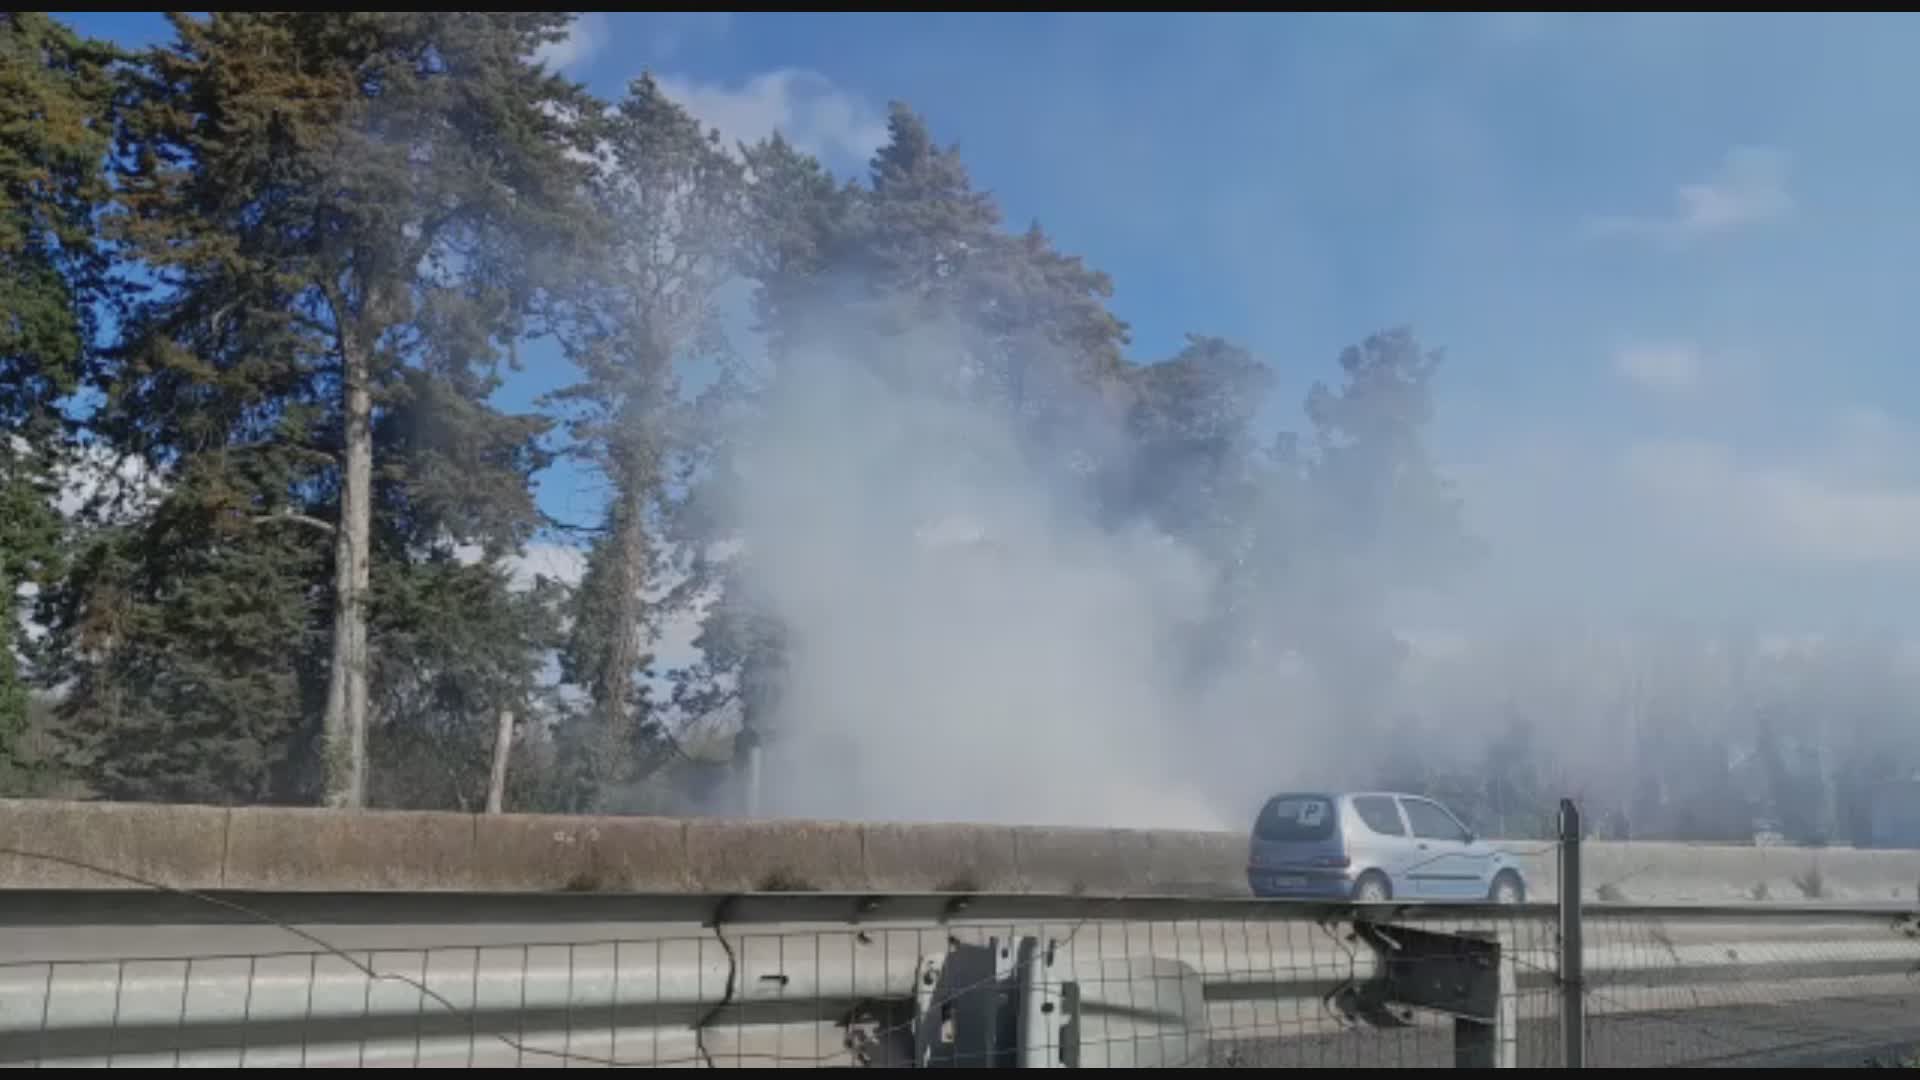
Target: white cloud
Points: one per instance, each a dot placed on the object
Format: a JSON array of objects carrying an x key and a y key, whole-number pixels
[
  {"x": 838, "y": 127},
  {"x": 1817, "y": 508},
  {"x": 1661, "y": 367},
  {"x": 1750, "y": 188},
  {"x": 1873, "y": 447},
  {"x": 1780, "y": 522},
  {"x": 585, "y": 38}
]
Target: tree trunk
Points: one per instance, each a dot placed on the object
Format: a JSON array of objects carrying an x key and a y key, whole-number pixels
[
  {"x": 502, "y": 747},
  {"x": 624, "y": 642},
  {"x": 345, "y": 726}
]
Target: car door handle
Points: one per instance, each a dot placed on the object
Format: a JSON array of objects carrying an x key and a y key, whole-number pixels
[{"x": 1423, "y": 847}]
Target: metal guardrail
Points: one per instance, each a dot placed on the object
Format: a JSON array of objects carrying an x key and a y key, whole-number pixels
[{"x": 809, "y": 980}]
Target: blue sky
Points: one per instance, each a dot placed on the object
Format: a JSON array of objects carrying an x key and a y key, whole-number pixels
[{"x": 1671, "y": 257}]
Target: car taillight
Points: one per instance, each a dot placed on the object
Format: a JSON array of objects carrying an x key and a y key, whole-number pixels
[{"x": 1338, "y": 862}]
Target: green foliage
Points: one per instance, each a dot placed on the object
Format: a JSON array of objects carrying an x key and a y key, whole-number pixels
[
  {"x": 1191, "y": 427},
  {"x": 56, "y": 93},
  {"x": 646, "y": 313},
  {"x": 30, "y": 554},
  {"x": 451, "y": 648},
  {"x": 323, "y": 201},
  {"x": 1023, "y": 325},
  {"x": 189, "y": 641},
  {"x": 321, "y": 236}
]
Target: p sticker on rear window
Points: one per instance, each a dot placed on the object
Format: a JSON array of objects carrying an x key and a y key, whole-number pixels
[{"x": 1291, "y": 819}]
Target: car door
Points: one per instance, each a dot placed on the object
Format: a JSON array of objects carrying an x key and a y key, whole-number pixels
[
  {"x": 1381, "y": 841},
  {"x": 1447, "y": 866}
]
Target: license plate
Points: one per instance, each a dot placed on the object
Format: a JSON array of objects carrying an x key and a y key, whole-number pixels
[{"x": 1286, "y": 881}]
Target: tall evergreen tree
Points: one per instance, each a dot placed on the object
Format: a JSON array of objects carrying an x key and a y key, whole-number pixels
[
  {"x": 798, "y": 234},
  {"x": 1193, "y": 444},
  {"x": 794, "y": 249},
  {"x": 56, "y": 97},
  {"x": 912, "y": 277},
  {"x": 1031, "y": 323},
  {"x": 350, "y": 217},
  {"x": 1379, "y": 517},
  {"x": 453, "y": 641},
  {"x": 671, "y": 200}
]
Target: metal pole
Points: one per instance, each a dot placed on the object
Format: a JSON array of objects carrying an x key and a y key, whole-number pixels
[
  {"x": 1573, "y": 1026},
  {"x": 1507, "y": 1026}
]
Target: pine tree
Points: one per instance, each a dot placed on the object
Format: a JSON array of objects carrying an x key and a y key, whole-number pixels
[
  {"x": 1377, "y": 517},
  {"x": 1191, "y": 435},
  {"x": 796, "y": 242},
  {"x": 452, "y": 640},
  {"x": 188, "y": 640},
  {"x": 799, "y": 229},
  {"x": 350, "y": 218},
  {"x": 56, "y": 97},
  {"x": 30, "y": 552},
  {"x": 1031, "y": 324},
  {"x": 671, "y": 200},
  {"x": 913, "y": 278}
]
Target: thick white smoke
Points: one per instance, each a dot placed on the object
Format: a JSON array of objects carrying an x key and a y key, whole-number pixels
[{"x": 969, "y": 643}]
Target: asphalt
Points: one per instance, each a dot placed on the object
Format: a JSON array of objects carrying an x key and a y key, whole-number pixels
[{"x": 1837, "y": 1033}]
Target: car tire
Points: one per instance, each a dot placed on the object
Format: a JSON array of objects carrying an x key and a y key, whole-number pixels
[
  {"x": 1507, "y": 889},
  {"x": 1372, "y": 888}
]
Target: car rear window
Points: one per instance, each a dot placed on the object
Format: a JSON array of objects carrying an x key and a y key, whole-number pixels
[
  {"x": 1295, "y": 819},
  {"x": 1380, "y": 814}
]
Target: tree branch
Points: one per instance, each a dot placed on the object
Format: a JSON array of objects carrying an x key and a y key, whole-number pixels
[
  {"x": 430, "y": 230},
  {"x": 298, "y": 519},
  {"x": 556, "y": 524}
]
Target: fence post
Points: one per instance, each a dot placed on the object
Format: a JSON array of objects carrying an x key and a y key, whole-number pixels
[
  {"x": 1573, "y": 1026},
  {"x": 1508, "y": 1025}
]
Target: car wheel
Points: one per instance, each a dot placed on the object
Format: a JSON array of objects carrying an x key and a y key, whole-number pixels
[
  {"x": 1507, "y": 889},
  {"x": 1372, "y": 888}
]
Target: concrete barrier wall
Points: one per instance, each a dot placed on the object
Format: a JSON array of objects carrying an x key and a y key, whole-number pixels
[{"x": 286, "y": 849}]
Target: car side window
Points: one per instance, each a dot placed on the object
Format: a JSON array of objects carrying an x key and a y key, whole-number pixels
[
  {"x": 1430, "y": 822},
  {"x": 1379, "y": 814}
]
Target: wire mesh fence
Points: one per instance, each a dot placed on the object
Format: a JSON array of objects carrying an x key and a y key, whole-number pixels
[
  {"x": 1733, "y": 987},
  {"x": 1066, "y": 982}
]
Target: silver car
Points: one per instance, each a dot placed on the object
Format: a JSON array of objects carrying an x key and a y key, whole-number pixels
[{"x": 1374, "y": 846}]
